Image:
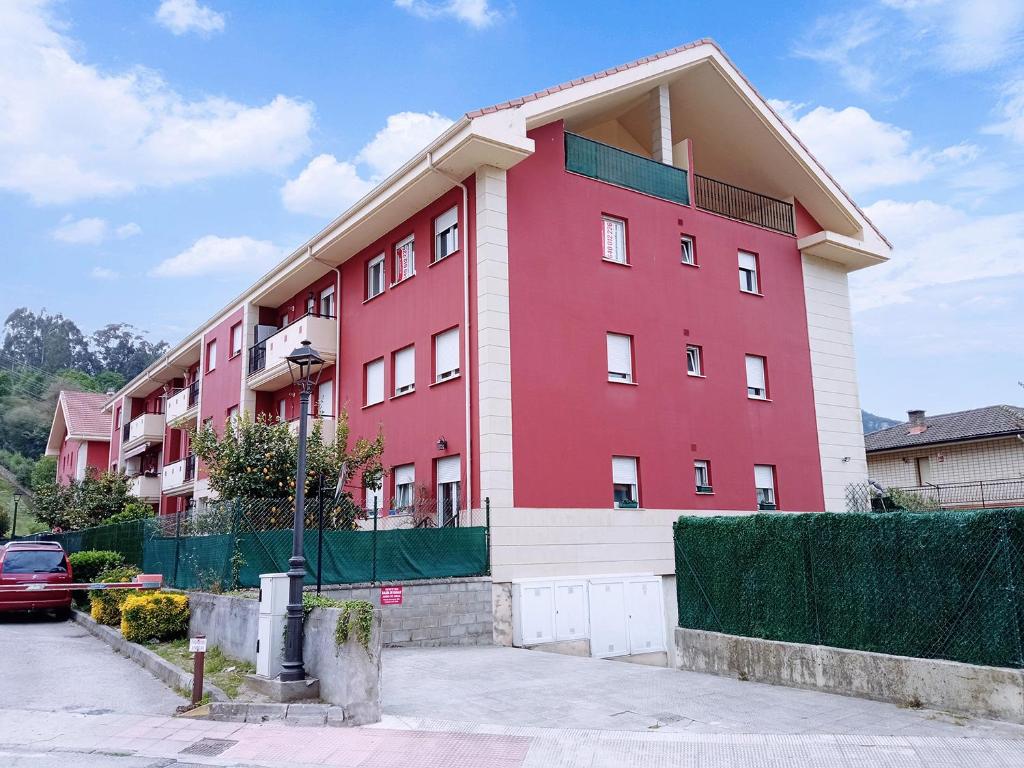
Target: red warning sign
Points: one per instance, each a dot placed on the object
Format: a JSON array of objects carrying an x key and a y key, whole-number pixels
[{"x": 390, "y": 595}]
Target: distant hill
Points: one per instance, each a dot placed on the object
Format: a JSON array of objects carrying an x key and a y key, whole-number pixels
[{"x": 873, "y": 423}]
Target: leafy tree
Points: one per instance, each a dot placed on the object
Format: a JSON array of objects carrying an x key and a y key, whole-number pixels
[
  {"x": 47, "y": 342},
  {"x": 43, "y": 471},
  {"x": 121, "y": 348},
  {"x": 82, "y": 503},
  {"x": 256, "y": 460}
]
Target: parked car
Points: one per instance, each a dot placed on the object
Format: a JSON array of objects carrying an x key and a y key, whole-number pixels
[{"x": 31, "y": 563}]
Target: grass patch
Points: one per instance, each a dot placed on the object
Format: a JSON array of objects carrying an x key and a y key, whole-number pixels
[
  {"x": 226, "y": 673},
  {"x": 27, "y": 523}
]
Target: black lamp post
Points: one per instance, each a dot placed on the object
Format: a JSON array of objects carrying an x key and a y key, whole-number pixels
[
  {"x": 14, "y": 525},
  {"x": 304, "y": 365}
]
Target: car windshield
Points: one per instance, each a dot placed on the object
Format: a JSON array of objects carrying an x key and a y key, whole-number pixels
[{"x": 35, "y": 561}]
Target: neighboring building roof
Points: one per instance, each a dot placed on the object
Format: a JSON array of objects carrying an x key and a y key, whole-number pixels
[
  {"x": 79, "y": 416},
  {"x": 990, "y": 421}
]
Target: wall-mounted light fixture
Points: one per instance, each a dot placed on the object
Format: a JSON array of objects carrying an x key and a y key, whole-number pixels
[
  {"x": 442, "y": 443},
  {"x": 846, "y": 459}
]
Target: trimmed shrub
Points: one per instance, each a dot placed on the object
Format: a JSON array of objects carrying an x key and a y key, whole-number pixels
[
  {"x": 160, "y": 616},
  {"x": 133, "y": 510},
  {"x": 88, "y": 565},
  {"x": 105, "y": 604}
]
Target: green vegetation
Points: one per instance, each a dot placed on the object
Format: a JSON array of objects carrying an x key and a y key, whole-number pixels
[
  {"x": 84, "y": 503},
  {"x": 156, "y": 615},
  {"x": 226, "y": 673},
  {"x": 106, "y": 604},
  {"x": 87, "y": 565},
  {"x": 27, "y": 522},
  {"x": 357, "y": 614}
]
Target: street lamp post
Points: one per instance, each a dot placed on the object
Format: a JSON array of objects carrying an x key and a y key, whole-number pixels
[
  {"x": 14, "y": 525},
  {"x": 304, "y": 365}
]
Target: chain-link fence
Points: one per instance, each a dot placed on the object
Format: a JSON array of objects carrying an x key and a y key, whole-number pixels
[
  {"x": 980, "y": 494},
  {"x": 225, "y": 545},
  {"x": 946, "y": 584}
]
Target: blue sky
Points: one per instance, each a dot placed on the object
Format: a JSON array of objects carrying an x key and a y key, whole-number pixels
[{"x": 157, "y": 156}]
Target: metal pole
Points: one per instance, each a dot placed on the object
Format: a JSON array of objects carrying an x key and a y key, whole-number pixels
[
  {"x": 198, "y": 670},
  {"x": 177, "y": 546},
  {"x": 292, "y": 667},
  {"x": 373, "y": 578},
  {"x": 487, "y": 533},
  {"x": 320, "y": 533},
  {"x": 14, "y": 525}
]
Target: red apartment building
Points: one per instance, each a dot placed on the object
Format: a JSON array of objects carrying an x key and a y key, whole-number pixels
[
  {"x": 599, "y": 306},
  {"x": 80, "y": 435}
]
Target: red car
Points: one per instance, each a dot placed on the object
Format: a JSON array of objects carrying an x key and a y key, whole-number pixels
[{"x": 34, "y": 562}]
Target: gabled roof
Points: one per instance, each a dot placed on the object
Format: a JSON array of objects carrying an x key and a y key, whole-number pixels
[
  {"x": 79, "y": 416},
  {"x": 990, "y": 421}
]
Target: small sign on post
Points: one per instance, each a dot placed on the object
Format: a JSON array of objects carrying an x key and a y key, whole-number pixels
[
  {"x": 197, "y": 645},
  {"x": 391, "y": 595}
]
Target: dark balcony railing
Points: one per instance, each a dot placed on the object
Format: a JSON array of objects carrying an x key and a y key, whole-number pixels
[
  {"x": 257, "y": 357},
  {"x": 193, "y": 394},
  {"x": 617, "y": 166},
  {"x": 190, "y": 468},
  {"x": 742, "y": 204}
]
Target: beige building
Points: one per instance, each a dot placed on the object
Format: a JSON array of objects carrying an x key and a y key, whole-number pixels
[{"x": 967, "y": 458}]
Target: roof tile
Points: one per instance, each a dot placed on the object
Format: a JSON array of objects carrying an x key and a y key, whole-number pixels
[
  {"x": 83, "y": 412},
  {"x": 990, "y": 421}
]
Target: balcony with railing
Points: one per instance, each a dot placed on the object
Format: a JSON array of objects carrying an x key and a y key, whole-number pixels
[
  {"x": 145, "y": 487},
  {"x": 743, "y": 205},
  {"x": 183, "y": 406},
  {"x": 978, "y": 494},
  {"x": 179, "y": 476},
  {"x": 147, "y": 428},
  {"x": 267, "y": 368}
]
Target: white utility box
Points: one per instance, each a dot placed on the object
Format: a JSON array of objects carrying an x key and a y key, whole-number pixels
[
  {"x": 608, "y": 633},
  {"x": 270, "y": 631},
  {"x": 533, "y": 613},
  {"x": 571, "y": 614}
]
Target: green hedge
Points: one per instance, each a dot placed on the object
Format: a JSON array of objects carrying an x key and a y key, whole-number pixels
[{"x": 934, "y": 585}]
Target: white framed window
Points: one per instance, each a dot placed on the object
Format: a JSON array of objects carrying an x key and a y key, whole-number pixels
[
  {"x": 282, "y": 409},
  {"x": 327, "y": 302},
  {"x": 613, "y": 233},
  {"x": 373, "y": 495},
  {"x": 702, "y": 475},
  {"x": 236, "y": 339},
  {"x": 405, "y": 259},
  {"x": 211, "y": 355},
  {"x": 325, "y": 399},
  {"x": 449, "y": 474},
  {"x": 446, "y": 234},
  {"x": 694, "y": 360},
  {"x": 686, "y": 250},
  {"x": 625, "y": 491},
  {"x": 620, "y": 358},
  {"x": 405, "y": 486},
  {"x": 446, "y": 355},
  {"x": 748, "y": 272},
  {"x": 764, "y": 485},
  {"x": 405, "y": 370},
  {"x": 757, "y": 383},
  {"x": 375, "y": 382},
  {"x": 375, "y": 276},
  {"x": 311, "y": 303}
]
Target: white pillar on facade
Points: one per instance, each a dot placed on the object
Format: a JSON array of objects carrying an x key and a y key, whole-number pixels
[{"x": 661, "y": 125}]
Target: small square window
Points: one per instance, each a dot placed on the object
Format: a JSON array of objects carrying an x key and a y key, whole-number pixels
[
  {"x": 236, "y": 339},
  {"x": 694, "y": 360},
  {"x": 405, "y": 370},
  {"x": 446, "y": 234},
  {"x": 405, "y": 487},
  {"x": 764, "y": 486},
  {"x": 620, "y": 358},
  {"x": 375, "y": 277},
  {"x": 446, "y": 355},
  {"x": 748, "y": 272},
  {"x": 374, "y": 376},
  {"x": 702, "y": 476},
  {"x": 757, "y": 382},
  {"x": 614, "y": 236},
  {"x": 687, "y": 252},
  {"x": 625, "y": 488}
]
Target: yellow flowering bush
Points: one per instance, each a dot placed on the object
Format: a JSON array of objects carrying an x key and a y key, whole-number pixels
[{"x": 159, "y": 615}]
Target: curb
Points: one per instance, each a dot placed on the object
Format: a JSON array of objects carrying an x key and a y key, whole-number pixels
[
  {"x": 290, "y": 714},
  {"x": 160, "y": 668}
]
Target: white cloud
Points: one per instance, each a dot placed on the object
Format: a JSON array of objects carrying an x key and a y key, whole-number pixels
[
  {"x": 70, "y": 131},
  {"x": 182, "y": 16},
  {"x": 935, "y": 245},
  {"x": 1011, "y": 110},
  {"x": 213, "y": 255},
  {"x": 864, "y": 153},
  {"x": 88, "y": 231},
  {"x": 327, "y": 186},
  {"x": 131, "y": 229},
  {"x": 841, "y": 42},
  {"x": 475, "y": 13},
  {"x": 102, "y": 273}
]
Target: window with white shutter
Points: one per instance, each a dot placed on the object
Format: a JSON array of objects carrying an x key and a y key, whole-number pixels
[
  {"x": 375, "y": 382},
  {"x": 405, "y": 370},
  {"x": 446, "y": 355},
  {"x": 702, "y": 475},
  {"x": 373, "y": 490},
  {"x": 613, "y": 233},
  {"x": 748, "y": 272},
  {"x": 405, "y": 259},
  {"x": 757, "y": 386},
  {"x": 449, "y": 474},
  {"x": 405, "y": 487},
  {"x": 375, "y": 277},
  {"x": 325, "y": 399},
  {"x": 236, "y": 339},
  {"x": 282, "y": 410},
  {"x": 764, "y": 484},
  {"x": 446, "y": 234},
  {"x": 327, "y": 302},
  {"x": 620, "y": 358},
  {"x": 625, "y": 491}
]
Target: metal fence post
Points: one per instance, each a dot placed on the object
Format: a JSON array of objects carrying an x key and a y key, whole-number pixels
[
  {"x": 373, "y": 577},
  {"x": 320, "y": 534},
  {"x": 487, "y": 536},
  {"x": 177, "y": 547},
  {"x": 236, "y": 514}
]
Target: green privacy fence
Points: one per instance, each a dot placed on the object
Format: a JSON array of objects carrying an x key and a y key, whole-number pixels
[
  {"x": 616, "y": 166},
  {"x": 944, "y": 585},
  {"x": 227, "y": 545}
]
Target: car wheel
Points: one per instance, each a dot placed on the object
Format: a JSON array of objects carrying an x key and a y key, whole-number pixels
[{"x": 63, "y": 614}]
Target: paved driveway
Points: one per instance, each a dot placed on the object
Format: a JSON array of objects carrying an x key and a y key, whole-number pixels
[{"x": 518, "y": 688}]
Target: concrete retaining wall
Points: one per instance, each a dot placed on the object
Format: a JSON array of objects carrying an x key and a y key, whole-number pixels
[
  {"x": 230, "y": 623},
  {"x": 433, "y": 613},
  {"x": 993, "y": 692}
]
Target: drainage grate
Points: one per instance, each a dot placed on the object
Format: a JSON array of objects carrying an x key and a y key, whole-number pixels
[{"x": 208, "y": 747}]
